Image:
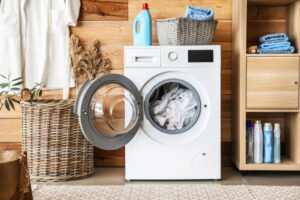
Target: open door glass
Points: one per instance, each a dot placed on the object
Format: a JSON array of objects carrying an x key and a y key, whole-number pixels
[{"x": 109, "y": 110}]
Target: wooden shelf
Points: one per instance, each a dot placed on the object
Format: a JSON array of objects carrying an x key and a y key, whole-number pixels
[
  {"x": 272, "y": 110},
  {"x": 274, "y": 55},
  {"x": 286, "y": 165}
]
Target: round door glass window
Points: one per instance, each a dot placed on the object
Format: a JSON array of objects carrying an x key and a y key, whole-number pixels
[
  {"x": 113, "y": 110},
  {"x": 173, "y": 106}
]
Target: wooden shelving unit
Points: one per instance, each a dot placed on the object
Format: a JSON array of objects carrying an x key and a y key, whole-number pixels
[{"x": 266, "y": 86}]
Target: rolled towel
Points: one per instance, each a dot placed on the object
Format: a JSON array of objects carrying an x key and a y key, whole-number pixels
[
  {"x": 274, "y": 37},
  {"x": 275, "y": 45},
  {"x": 198, "y": 13},
  {"x": 287, "y": 50}
]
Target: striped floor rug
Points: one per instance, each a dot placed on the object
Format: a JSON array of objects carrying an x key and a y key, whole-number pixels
[{"x": 164, "y": 192}]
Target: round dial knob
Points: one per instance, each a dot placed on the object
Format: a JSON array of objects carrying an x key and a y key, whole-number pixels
[{"x": 173, "y": 56}]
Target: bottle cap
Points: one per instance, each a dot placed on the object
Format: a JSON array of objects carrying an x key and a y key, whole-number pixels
[
  {"x": 248, "y": 124},
  {"x": 268, "y": 126},
  {"x": 257, "y": 122},
  {"x": 145, "y": 6},
  {"x": 276, "y": 126},
  {"x": 257, "y": 125}
]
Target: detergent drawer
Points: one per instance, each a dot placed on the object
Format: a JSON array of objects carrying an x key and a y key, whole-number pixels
[{"x": 142, "y": 57}]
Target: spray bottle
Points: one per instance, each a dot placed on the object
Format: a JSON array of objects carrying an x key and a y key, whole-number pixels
[
  {"x": 277, "y": 143},
  {"x": 258, "y": 142},
  {"x": 268, "y": 143}
]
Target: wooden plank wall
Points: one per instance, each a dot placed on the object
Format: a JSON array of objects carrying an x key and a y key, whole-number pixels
[{"x": 110, "y": 21}]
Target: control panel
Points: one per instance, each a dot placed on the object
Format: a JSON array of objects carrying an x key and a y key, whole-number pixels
[{"x": 207, "y": 56}]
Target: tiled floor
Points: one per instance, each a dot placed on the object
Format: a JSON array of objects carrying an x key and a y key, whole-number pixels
[{"x": 230, "y": 176}]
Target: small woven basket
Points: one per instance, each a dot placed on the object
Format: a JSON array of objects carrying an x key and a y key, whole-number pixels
[
  {"x": 56, "y": 148},
  {"x": 184, "y": 31}
]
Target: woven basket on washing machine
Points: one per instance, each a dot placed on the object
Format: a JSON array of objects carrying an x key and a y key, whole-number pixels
[
  {"x": 184, "y": 31},
  {"x": 55, "y": 145}
]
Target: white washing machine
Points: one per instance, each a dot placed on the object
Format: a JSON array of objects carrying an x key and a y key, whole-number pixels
[{"x": 165, "y": 109}]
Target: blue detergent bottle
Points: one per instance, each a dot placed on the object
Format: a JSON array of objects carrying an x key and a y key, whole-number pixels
[
  {"x": 268, "y": 143},
  {"x": 142, "y": 28}
]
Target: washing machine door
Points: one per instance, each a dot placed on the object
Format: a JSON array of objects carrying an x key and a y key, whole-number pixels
[{"x": 109, "y": 110}]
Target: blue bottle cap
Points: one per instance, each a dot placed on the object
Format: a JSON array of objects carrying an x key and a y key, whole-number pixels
[{"x": 249, "y": 124}]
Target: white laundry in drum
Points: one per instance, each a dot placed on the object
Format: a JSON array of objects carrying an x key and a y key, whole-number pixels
[{"x": 173, "y": 107}]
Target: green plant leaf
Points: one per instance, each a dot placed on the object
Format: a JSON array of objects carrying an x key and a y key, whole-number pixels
[
  {"x": 18, "y": 83},
  {"x": 7, "y": 104},
  {"x": 37, "y": 84},
  {"x": 16, "y": 79},
  {"x": 16, "y": 101},
  {"x": 3, "y": 76},
  {"x": 11, "y": 103},
  {"x": 3, "y": 85},
  {"x": 15, "y": 89},
  {"x": 32, "y": 95}
]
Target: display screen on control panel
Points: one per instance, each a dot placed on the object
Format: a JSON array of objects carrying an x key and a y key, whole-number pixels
[{"x": 200, "y": 55}]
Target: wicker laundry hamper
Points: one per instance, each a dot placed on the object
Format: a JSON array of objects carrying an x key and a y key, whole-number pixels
[
  {"x": 184, "y": 31},
  {"x": 56, "y": 148}
]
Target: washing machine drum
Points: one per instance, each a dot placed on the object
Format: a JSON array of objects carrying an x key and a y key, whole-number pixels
[{"x": 100, "y": 106}]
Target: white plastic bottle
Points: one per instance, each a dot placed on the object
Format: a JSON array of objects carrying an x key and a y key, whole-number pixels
[
  {"x": 277, "y": 154},
  {"x": 258, "y": 142}
]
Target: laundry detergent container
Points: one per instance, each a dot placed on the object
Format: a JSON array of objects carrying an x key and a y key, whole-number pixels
[
  {"x": 184, "y": 31},
  {"x": 55, "y": 145}
]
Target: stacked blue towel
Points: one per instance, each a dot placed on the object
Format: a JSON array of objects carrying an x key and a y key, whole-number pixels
[
  {"x": 198, "y": 13},
  {"x": 276, "y": 43}
]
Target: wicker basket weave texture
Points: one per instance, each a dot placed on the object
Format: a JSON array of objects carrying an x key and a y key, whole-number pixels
[
  {"x": 184, "y": 31},
  {"x": 56, "y": 147}
]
